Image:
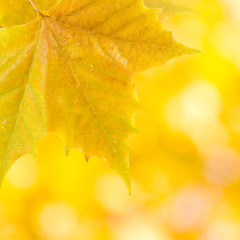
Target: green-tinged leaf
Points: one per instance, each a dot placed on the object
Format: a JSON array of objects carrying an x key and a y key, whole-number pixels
[{"x": 169, "y": 7}]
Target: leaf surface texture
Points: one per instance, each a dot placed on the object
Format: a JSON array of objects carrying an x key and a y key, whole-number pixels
[{"x": 68, "y": 70}]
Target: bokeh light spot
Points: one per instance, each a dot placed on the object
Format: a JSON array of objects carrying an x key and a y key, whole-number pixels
[
  {"x": 58, "y": 221},
  {"x": 23, "y": 173}
]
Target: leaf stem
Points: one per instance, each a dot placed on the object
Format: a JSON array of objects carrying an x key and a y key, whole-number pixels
[{"x": 34, "y": 6}]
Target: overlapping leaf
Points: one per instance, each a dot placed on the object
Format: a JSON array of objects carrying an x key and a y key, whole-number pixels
[
  {"x": 170, "y": 7},
  {"x": 69, "y": 71}
]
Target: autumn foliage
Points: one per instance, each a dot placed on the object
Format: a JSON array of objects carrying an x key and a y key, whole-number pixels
[{"x": 183, "y": 144}]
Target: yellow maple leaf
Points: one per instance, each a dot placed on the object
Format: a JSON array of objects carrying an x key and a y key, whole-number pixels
[{"x": 69, "y": 71}]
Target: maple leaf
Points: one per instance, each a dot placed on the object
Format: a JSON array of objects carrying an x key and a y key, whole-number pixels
[{"x": 69, "y": 71}]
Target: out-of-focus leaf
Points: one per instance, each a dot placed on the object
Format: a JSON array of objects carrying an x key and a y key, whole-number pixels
[{"x": 170, "y": 7}]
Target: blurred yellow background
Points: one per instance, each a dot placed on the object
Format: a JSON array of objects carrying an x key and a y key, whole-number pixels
[{"x": 185, "y": 161}]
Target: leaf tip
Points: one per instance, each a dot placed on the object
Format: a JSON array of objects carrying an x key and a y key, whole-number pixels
[{"x": 125, "y": 175}]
